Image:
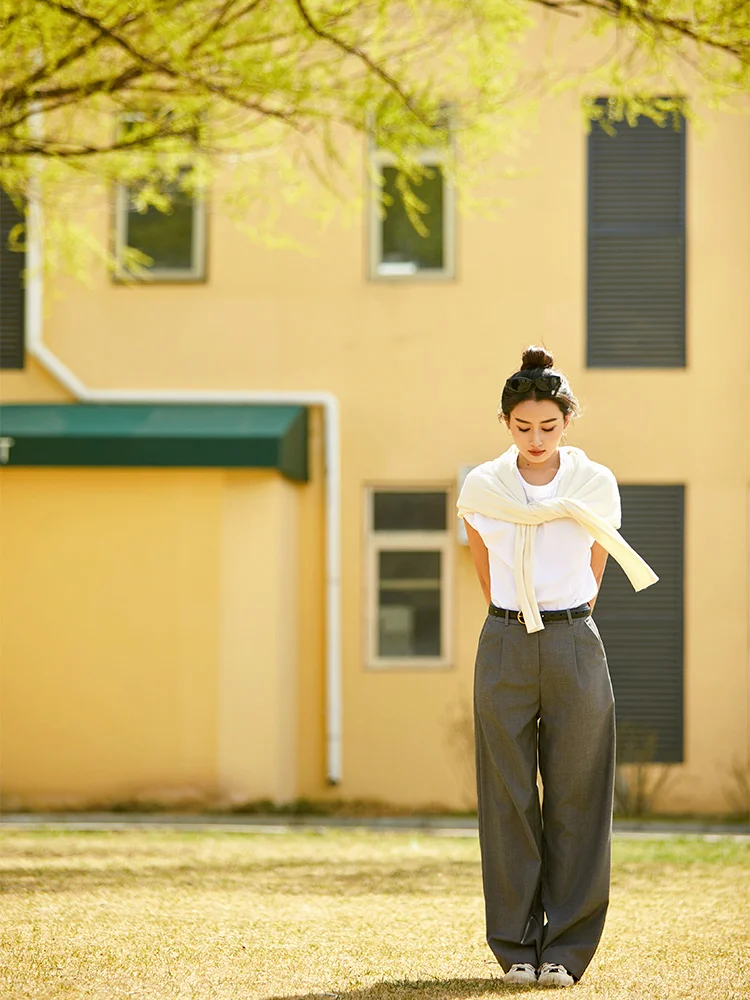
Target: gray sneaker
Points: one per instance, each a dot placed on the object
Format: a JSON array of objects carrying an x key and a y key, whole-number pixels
[
  {"x": 552, "y": 974},
  {"x": 520, "y": 972}
]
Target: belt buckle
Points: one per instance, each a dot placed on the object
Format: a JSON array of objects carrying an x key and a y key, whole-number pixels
[{"x": 519, "y": 616}]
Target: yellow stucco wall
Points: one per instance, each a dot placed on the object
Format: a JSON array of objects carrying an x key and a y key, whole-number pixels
[
  {"x": 418, "y": 370},
  {"x": 257, "y": 608},
  {"x": 110, "y": 631},
  {"x": 149, "y": 635}
]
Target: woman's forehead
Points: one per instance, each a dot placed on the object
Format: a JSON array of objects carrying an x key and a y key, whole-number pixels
[{"x": 536, "y": 410}]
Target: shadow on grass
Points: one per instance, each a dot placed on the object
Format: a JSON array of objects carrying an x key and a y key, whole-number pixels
[
  {"x": 303, "y": 878},
  {"x": 422, "y": 989}
]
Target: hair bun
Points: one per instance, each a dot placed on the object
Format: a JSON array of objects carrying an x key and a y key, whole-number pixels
[{"x": 536, "y": 357}]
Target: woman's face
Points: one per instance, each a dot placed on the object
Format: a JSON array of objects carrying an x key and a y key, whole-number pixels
[{"x": 536, "y": 426}]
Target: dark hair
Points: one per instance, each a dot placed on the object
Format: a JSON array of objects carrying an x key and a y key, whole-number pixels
[{"x": 536, "y": 361}]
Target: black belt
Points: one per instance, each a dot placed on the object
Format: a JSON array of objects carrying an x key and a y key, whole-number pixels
[{"x": 582, "y": 611}]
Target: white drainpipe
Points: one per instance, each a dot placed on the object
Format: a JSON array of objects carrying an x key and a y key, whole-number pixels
[{"x": 326, "y": 400}]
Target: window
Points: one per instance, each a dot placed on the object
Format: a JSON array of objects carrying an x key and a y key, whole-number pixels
[
  {"x": 175, "y": 240},
  {"x": 643, "y": 632},
  {"x": 397, "y": 250},
  {"x": 12, "y": 288},
  {"x": 409, "y": 562},
  {"x": 636, "y": 245}
]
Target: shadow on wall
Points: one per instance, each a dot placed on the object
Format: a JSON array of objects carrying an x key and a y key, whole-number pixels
[
  {"x": 193, "y": 803},
  {"x": 639, "y": 779},
  {"x": 459, "y": 728},
  {"x": 738, "y": 789}
]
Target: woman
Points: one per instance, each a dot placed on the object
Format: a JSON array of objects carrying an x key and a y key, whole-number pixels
[{"x": 541, "y": 520}]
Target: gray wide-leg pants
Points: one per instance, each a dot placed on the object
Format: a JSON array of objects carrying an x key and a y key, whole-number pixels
[{"x": 544, "y": 698}]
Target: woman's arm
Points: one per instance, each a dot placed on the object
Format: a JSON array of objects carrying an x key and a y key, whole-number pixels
[
  {"x": 481, "y": 559},
  {"x": 598, "y": 560}
]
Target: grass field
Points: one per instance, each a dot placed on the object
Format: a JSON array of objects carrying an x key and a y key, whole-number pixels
[{"x": 347, "y": 914}]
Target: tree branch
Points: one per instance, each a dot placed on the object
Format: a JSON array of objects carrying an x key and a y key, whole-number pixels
[
  {"x": 219, "y": 22},
  {"x": 683, "y": 26},
  {"x": 358, "y": 53}
]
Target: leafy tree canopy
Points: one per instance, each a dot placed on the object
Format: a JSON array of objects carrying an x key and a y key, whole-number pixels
[{"x": 270, "y": 90}]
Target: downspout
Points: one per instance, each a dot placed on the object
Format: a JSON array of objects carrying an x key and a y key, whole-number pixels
[{"x": 332, "y": 459}]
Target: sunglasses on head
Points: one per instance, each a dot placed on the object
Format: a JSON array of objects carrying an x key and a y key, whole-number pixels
[{"x": 544, "y": 383}]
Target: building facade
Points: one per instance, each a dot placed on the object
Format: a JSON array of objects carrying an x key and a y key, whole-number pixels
[{"x": 169, "y": 491}]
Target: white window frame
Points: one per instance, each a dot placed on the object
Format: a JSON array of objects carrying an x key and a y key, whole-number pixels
[
  {"x": 432, "y": 541},
  {"x": 379, "y": 158},
  {"x": 197, "y": 270}
]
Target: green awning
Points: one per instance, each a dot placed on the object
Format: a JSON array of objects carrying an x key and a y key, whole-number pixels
[{"x": 187, "y": 435}]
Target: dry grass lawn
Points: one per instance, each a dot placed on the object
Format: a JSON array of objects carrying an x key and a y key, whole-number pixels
[{"x": 348, "y": 914}]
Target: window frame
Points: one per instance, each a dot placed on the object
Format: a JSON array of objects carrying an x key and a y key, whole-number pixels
[
  {"x": 197, "y": 271},
  {"x": 431, "y": 541},
  {"x": 377, "y": 159}
]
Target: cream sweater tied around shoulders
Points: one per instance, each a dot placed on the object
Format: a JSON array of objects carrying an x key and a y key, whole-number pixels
[{"x": 587, "y": 492}]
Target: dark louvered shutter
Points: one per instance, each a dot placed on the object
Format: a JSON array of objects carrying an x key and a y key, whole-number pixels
[
  {"x": 636, "y": 246},
  {"x": 643, "y": 632},
  {"x": 12, "y": 306}
]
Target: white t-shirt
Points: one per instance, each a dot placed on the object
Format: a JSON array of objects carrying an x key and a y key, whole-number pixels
[{"x": 562, "y": 555}]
